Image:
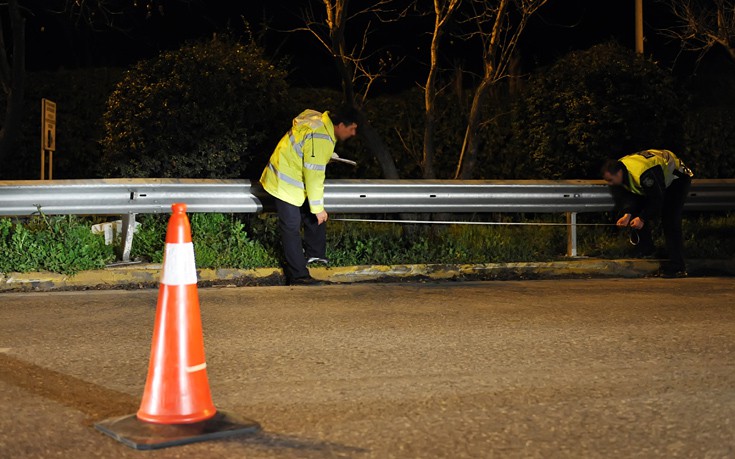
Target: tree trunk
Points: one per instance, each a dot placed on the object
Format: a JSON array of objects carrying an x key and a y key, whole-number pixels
[
  {"x": 13, "y": 82},
  {"x": 427, "y": 165},
  {"x": 367, "y": 133},
  {"x": 492, "y": 70},
  {"x": 468, "y": 156},
  {"x": 375, "y": 145},
  {"x": 442, "y": 12}
]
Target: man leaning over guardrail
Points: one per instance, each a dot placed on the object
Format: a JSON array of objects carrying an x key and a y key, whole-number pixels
[
  {"x": 295, "y": 177},
  {"x": 648, "y": 185}
]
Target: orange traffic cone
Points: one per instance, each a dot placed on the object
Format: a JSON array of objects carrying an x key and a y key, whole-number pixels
[
  {"x": 177, "y": 388},
  {"x": 177, "y": 404}
]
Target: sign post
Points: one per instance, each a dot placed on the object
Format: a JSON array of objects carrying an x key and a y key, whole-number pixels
[{"x": 48, "y": 136}]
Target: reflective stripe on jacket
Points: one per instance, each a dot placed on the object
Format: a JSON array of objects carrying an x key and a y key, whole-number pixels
[
  {"x": 296, "y": 169},
  {"x": 638, "y": 163}
]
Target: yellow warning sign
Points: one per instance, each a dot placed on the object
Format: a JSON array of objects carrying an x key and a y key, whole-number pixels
[{"x": 48, "y": 125}]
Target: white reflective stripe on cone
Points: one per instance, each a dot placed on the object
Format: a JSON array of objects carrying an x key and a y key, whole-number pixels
[
  {"x": 194, "y": 368},
  {"x": 179, "y": 267}
]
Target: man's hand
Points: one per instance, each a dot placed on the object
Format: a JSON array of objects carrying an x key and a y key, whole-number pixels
[
  {"x": 322, "y": 216},
  {"x": 624, "y": 220},
  {"x": 636, "y": 223}
]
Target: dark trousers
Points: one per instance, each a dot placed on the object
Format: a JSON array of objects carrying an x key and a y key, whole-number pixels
[
  {"x": 296, "y": 252},
  {"x": 671, "y": 214}
]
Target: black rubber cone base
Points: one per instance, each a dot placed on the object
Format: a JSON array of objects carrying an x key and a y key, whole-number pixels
[{"x": 138, "y": 434}]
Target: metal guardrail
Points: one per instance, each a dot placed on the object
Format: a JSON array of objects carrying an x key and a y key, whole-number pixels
[
  {"x": 123, "y": 196},
  {"x": 127, "y": 197}
]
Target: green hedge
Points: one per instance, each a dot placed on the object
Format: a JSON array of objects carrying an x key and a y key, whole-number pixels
[
  {"x": 604, "y": 102},
  {"x": 58, "y": 244},
  {"x": 66, "y": 244},
  {"x": 221, "y": 241},
  {"x": 206, "y": 110}
]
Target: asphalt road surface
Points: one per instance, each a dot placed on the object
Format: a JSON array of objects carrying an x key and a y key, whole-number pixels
[{"x": 541, "y": 369}]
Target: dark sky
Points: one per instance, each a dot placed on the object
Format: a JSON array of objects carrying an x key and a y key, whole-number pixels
[{"x": 561, "y": 26}]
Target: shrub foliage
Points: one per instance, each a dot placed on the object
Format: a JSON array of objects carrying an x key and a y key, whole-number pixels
[
  {"x": 591, "y": 105},
  {"x": 205, "y": 110},
  {"x": 59, "y": 244},
  {"x": 221, "y": 241},
  {"x": 66, "y": 244}
]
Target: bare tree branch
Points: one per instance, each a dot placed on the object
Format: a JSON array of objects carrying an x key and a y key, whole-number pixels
[
  {"x": 364, "y": 67},
  {"x": 101, "y": 15},
  {"x": 703, "y": 25},
  {"x": 356, "y": 66}
]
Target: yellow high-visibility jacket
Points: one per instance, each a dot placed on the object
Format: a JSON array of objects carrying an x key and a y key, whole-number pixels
[
  {"x": 639, "y": 163},
  {"x": 297, "y": 167}
]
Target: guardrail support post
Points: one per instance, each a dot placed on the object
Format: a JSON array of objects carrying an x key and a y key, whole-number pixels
[
  {"x": 128, "y": 228},
  {"x": 571, "y": 234}
]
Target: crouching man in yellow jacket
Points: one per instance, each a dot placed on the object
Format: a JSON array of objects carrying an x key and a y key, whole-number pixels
[
  {"x": 646, "y": 186},
  {"x": 295, "y": 177}
]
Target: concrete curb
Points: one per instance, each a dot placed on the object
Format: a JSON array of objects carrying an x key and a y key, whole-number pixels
[{"x": 147, "y": 275}]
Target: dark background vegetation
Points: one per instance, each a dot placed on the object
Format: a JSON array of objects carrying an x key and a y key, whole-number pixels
[{"x": 204, "y": 89}]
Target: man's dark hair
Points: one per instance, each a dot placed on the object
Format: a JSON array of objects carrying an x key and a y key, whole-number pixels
[
  {"x": 346, "y": 115},
  {"x": 612, "y": 166}
]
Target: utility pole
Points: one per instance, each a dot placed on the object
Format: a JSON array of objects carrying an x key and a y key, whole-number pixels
[{"x": 639, "y": 26}]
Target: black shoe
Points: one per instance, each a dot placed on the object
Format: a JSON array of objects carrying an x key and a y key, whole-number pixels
[
  {"x": 314, "y": 260},
  {"x": 305, "y": 281}
]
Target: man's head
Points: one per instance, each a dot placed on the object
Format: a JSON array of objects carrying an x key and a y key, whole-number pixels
[
  {"x": 612, "y": 172},
  {"x": 345, "y": 122}
]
